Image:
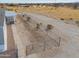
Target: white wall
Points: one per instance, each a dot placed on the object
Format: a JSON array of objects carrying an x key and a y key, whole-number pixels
[{"x": 5, "y": 35}]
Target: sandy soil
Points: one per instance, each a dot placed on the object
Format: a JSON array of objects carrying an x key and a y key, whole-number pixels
[{"x": 28, "y": 36}]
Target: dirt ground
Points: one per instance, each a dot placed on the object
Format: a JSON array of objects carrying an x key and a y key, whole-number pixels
[{"x": 39, "y": 43}]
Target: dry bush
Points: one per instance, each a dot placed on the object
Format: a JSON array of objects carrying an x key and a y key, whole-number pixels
[
  {"x": 77, "y": 22},
  {"x": 23, "y": 15},
  {"x": 61, "y": 18},
  {"x": 49, "y": 27},
  {"x": 71, "y": 18},
  {"x": 40, "y": 23},
  {"x": 28, "y": 18},
  {"x": 37, "y": 26}
]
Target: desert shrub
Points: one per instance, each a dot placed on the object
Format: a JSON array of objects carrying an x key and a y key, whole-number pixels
[
  {"x": 49, "y": 27},
  {"x": 23, "y": 15},
  {"x": 40, "y": 23},
  {"x": 71, "y": 18},
  {"x": 75, "y": 6},
  {"x": 37, "y": 26},
  {"x": 61, "y": 18},
  {"x": 77, "y": 22},
  {"x": 28, "y": 18}
]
